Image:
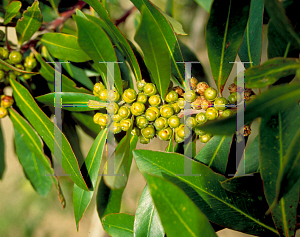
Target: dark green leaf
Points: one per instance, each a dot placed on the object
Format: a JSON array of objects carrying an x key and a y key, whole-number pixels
[
  {"x": 275, "y": 135},
  {"x": 64, "y": 47},
  {"x": 224, "y": 33},
  {"x": 2, "y": 153},
  {"x": 45, "y": 129},
  {"x": 90, "y": 170},
  {"x": 270, "y": 72},
  {"x": 54, "y": 5},
  {"x": 29, "y": 23},
  {"x": 11, "y": 11},
  {"x": 155, "y": 51},
  {"x": 246, "y": 214},
  {"x": 205, "y": 4},
  {"x": 94, "y": 41},
  {"x": 215, "y": 153},
  {"x": 147, "y": 222},
  {"x": 250, "y": 50},
  {"x": 176, "y": 210},
  {"x": 270, "y": 102},
  {"x": 118, "y": 225},
  {"x": 34, "y": 169},
  {"x": 72, "y": 101}
]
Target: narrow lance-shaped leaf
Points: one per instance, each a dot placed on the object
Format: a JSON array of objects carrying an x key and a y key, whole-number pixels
[
  {"x": 11, "y": 67},
  {"x": 250, "y": 50},
  {"x": 268, "y": 103},
  {"x": 224, "y": 33},
  {"x": 45, "y": 129},
  {"x": 275, "y": 135},
  {"x": 118, "y": 225},
  {"x": 29, "y": 23},
  {"x": 90, "y": 170},
  {"x": 2, "y": 153},
  {"x": 11, "y": 11},
  {"x": 147, "y": 222},
  {"x": 247, "y": 213},
  {"x": 155, "y": 51},
  {"x": 94, "y": 41},
  {"x": 34, "y": 169}
]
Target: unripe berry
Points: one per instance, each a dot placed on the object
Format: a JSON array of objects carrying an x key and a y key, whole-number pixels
[
  {"x": 15, "y": 57},
  {"x": 154, "y": 100},
  {"x": 199, "y": 132},
  {"x": 183, "y": 131},
  {"x": 96, "y": 117},
  {"x": 149, "y": 89},
  {"x": 152, "y": 113},
  {"x": 181, "y": 103},
  {"x": 104, "y": 120},
  {"x": 117, "y": 118},
  {"x": 4, "y": 53},
  {"x": 194, "y": 83},
  {"x": 161, "y": 123},
  {"x": 6, "y": 101},
  {"x": 129, "y": 95},
  {"x": 115, "y": 127},
  {"x": 191, "y": 122},
  {"x": 176, "y": 108},
  {"x": 220, "y": 103},
  {"x": 174, "y": 121},
  {"x": 172, "y": 96},
  {"x": 211, "y": 113},
  {"x": 166, "y": 111},
  {"x": 2, "y": 75},
  {"x": 201, "y": 118},
  {"x": 135, "y": 131},
  {"x": 142, "y": 98},
  {"x": 124, "y": 112},
  {"x": 141, "y": 122},
  {"x": 234, "y": 98},
  {"x": 30, "y": 63},
  {"x": 112, "y": 108},
  {"x": 20, "y": 66},
  {"x": 144, "y": 140},
  {"x": 97, "y": 88},
  {"x": 190, "y": 96},
  {"x": 226, "y": 113},
  {"x": 178, "y": 139},
  {"x": 137, "y": 108},
  {"x": 165, "y": 134},
  {"x": 140, "y": 85},
  {"x": 148, "y": 132},
  {"x": 103, "y": 95},
  {"x": 205, "y": 138},
  {"x": 3, "y": 112},
  {"x": 210, "y": 94},
  {"x": 125, "y": 124},
  {"x": 113, "y": 95}
]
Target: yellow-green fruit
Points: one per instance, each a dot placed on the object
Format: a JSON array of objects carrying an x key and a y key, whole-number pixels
[
  {"x": 97, "y": 88},
  {"x": 143, "y": 140},
  {"x": 161, "y": 123},
  {"x": 3, "y": 112},
  {"x": 125, "y": 124},
  {"x": 96, "y": 117},
  {"x": 137, "y": 108},
  {"x": 183, "y": 131},
  {"x": 142, "y": 98},
  {"x": 112, "y": 108},
  {"x": 15, "y": 57},
  {"x": 115, "y": 127},
  {"x": 2, "y": 35},
  {"x": 6, "y": 101},
  {"x": 4, "y": 53},
  {"x": 30, "y": 63},
  {"x": 103, "y": 95},
  {"x": 205, "y": 138},
  {"x": 191, "y": 122},
  {"x": 117, "y": 118},
  {"x": 154, "y": 100},
  {"x": 211, "y": 113},
  {"x": 20, "y": 66},
  {"x": 174, "y": 121},
  {"x": 152, "y": 113},
  {"x": 149, "y": 89},
  {"x": 113, "y": 95},
  {"x": 129, "y": 95},
  {"x": 165, "y": 134},
  {"x": 124, "y": 112},
  {"x": 148, "y": 132},
  {"x": 181, "y": 103},
  {"x": 103, "y": 120}
]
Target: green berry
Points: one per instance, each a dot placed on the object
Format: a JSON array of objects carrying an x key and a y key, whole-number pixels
[
  {"x": 15, "y": 57},
  {"x": 141, "y": 122},
  {"x": 226, "y": 113},
  {"x": 112, "y": 108},
  {"x": 234, "y": 98},
  {"x": 4, "y": 53},
  {"x": 103, "y": 120},
  {"x": 97, "y": 88},
  {"x": 30, "y": 63},
  {"x": 183, "y": 131},
  {"x": 149, "y": 89},
  {"x": 140, "y": 85},
  {"x": 113, "y": 95},
  {"x": 178, "y": 139},
  {"x": 143, "y": 140},
  {"x": 191, "y": 122},
  {"x": 210, "y": 94},
  {"x": 20, "y": 66},
  {"x": 152, "y": 113},
  {"x": 165, "y": 134},
  {"x": 172, "y": 96},
  {"x": 166, "y": 111},
  {"x": 194, "y": 83},
  {"x": 103, "y": 95},
  {"x": 154, "y": 100},
  {"x": 205, "y": 138},
  {"x": 199, "y": 132},
  {"x": 135, "y": 131},
  {"x": 181, "y": 103},
  {"x": 220, "y": 103},
  {"x": 129, "y": 95},
  {"x": 3, "y": 112},
  {"x": 142, "y": 98},
  {"x": 201, "y": 118},
  {"x": 161, "y": 123},
  {"x": 124, "y": 112},
  {"x": 2, "y": 75},
  {"x": 190, "y": 96},
  {"x": 174, "y": 121},
  {"x": 115, "y": 127},
  {"x": 148, "y": 132},
  {"x": 27, "y": 76},
  {"x": 211, "y": 113},
  {"x": 137, "y": 108},
  {"x": 125, "y": 124},
  {"x": 176, "y": 108},
  {"x": 96, "y": 117},
  {"x": 117, "y": 118}
]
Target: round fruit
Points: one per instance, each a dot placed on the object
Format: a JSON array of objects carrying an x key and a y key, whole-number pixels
[
  {"x": 148, "y": 132},
  {"x": 15, "y": 57},
  {"x": 172, "y": 96},
  {"x": 142, "y": 98},
  {"x": 30, "y": 63},
  {"x": 191, "y": 122},
  {"x": 103, "y": 95},
  {"x": 140, "y": 85},
  {"x": 181, "y": 103},
  {"x": 124, "y": 112},
  {"x": 129, "y": 95},
  {"x": 115, "y": 127},
  {"x": 143, "y": 140},
  {"x": 194, "y": 83},
  {"x": 98, "y": 87},
  {"x": 154, "y": 100},
  {"x": 201, "y": 118},
  {"x": 211, "y": 113},
  {"x": 176, "y": 108},
  {"x": 183, "y": 131},
  {"x": 226, "y": 113},
  {"x": 20, "y": 66},
  {"x": 135, "y": 131},
  {"x": 166, "y": 111},
  {"x": 3, "y": 112},
  {"x": 113, "y": 95},
  {"x": 210, "y": 94},
  {"x": 205, "y": 138},
  {"x": 137, "y": 108},
  {"x": 174, "y": 121},
  {"x": 178, "y": 139},
  {"x": 117, "y": 118},
  {"x": 199, "y": 132},
  {"x": 220, "y": 103},
  {"x": 96, "y": 117},
  {"x": 141, "y": 122},
  {"x": 103, "y": 120},
  {"x": 112, "y": 108},
  {"x": 6, "y": 101},
  {"x": 152, "y": 113},
  {"x": 4, "y": 53},
  {"x": 190, "y": 96},
  {"x": 125, "y": 124},
  {"x": 149, "y": 89},
  {"x": 161, "y": 123},
  {"x": 201, "y": 88},
  {"x": 165, "y": 134}
]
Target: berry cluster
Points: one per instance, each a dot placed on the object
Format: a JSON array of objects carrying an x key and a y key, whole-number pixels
[
  {"x": 6, "y": 102},
  {"x": 156, "y": 117}
]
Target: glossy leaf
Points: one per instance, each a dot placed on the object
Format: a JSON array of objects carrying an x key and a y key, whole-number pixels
[
  {"x": 47, "y": 71},
  {"x": 155, "y": 51},
  {"x": 214, "y": 201},
  {"x": 205, "y": 4},
  {"x": 94, "y": 41},
  {"x": 275, "y": 135},
  {"x": 168, "y": 35},
  {"x": 118, "y": 225},
  {"x": 2, "y": 153},
  {"x": 29, "y": 23},
  {"x": 90, "y": 170},
  {"x": 71, "y": 101},
  {"x": 224, "y": 33},
  {"x": 34, "y": 169},
  {"x": 85, "y": 121},
  {"x": 45, "y": 129},
  {"x": 11, "y": 67},
  {"x": 270, "y": 72},
  {"x": 268, "y": 103},
  {"x": 177, "y": 211},
  {"x": 11, "y": 11},
  {"x": 64, "y": 47},
  {"x": 177, "y": 27},
  {"x": 121, "y": 42},
  {"x": 147, "y": 222},
  {"x": 215, "y": 153},
  {"x": 250, "y": 50}
]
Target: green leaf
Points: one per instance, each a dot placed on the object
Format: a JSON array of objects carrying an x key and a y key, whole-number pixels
[
  {"x": 85, "y": 121},
  {"x": 2, "y": 153},
  {"x": 47, "y": 71},
  {"x": 79, "y": 75},
  {"x": 177, "y": 27},
  {"x": 118, "y": 225},
  {"x": 250, "y": 162},
  {"x": 205, "y": 4},
  {"x": 64, "y": 47},
  {"x": 246, "y": 214},
  {"x": 275, "y": 136},
  {"x": 72, "y": 101},
  {"x": 29, "y": 23},
  {"x": 45, "y": 129},
  {"x": 147, "y": 222},
  {"x": 34, "y": 169},
  {"x": 168, "y": 35},
  {"x": 270, "y": 72},
  {"x": 12, "y": 10},
  {"x": 250, "y": 50},
  {"x": 177, "y": 211},
  {"x": 121, "y": 42},
  {"x": 224, "y": 33},
  {"x": 54, "y": 5},
  {"x": 215, "y": 153},
  {"x": 90, "y": 170},
  {"x": 273, "y": 101},
  {"x": 94, "y": 41},
  {"x": 15, "y": 68},
  {"x": 155, "y": 51}
]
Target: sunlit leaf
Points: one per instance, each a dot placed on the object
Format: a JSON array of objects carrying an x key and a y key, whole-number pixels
[
  {"x": 118, "y": 225},
  {"x": 11, "y": 11}
]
